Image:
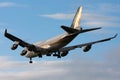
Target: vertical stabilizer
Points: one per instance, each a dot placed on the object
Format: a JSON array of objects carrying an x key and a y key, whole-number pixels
[{"x": 76, "y": 21}]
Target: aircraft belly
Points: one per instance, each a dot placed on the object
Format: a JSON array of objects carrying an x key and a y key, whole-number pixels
[
  {"x": 30, "y": 54},
  {"x": 61, "y": 43}
]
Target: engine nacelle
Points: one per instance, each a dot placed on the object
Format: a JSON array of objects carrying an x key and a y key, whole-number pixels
[
  {"x": 15, "y": 45},
  {"x": 23, "y": 52},
  {"x": 87, "y": 48},
  {"x": 64, "y": 53}
]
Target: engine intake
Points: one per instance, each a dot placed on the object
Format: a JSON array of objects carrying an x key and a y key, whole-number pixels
[
  {"x": 23, "y": 52},
  {"x": 87, "y": 48},
  {"x": 15, "y": 45},
  {"x": 64, "y": 53}
]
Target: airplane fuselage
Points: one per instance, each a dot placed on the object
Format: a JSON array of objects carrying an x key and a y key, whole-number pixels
[{"x": 52, "y": 45}]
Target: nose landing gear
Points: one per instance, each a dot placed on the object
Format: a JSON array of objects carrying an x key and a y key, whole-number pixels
[{"x": 30, "y": 60}]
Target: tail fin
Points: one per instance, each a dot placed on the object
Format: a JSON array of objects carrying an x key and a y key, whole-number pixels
[{"x": 76, "y": 21}]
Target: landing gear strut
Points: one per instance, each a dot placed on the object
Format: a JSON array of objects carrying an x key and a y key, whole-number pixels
[
  {"x": 58, "y": 55},
  {"x": 30, "y": 60}
]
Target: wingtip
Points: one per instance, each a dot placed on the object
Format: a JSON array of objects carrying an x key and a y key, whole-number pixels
[
  {"x": 100, "y": 27},
  {"x": 5, "y": 30},
  {"x": 115, "y": 35}
]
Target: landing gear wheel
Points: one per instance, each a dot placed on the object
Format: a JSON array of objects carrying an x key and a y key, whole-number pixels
[
  {"x": 30, "y": 61},
  {"x": 48, "y": 54},
  {"x": 58, "y": 56},
  {"x": 40, "y": 56}
]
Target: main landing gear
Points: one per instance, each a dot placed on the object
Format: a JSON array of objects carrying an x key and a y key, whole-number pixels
[{"x": 58, "y": 55}]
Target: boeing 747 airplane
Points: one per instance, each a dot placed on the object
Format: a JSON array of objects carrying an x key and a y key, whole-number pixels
[{"x": 56, "y": 46}]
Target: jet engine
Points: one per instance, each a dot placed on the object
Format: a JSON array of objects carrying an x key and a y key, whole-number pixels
[
  {"x": 23, "y": 52},
  {"x": 64, "y": 53},
  {"x": 15, "y": 45},
  {"x": 87, "y": 48}
]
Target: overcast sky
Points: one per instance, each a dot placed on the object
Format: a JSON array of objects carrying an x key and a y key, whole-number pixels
[{"x": 35, "y": 20}]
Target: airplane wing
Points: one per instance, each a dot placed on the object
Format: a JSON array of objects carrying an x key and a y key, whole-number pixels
[
  {"x": 13, "y": 38},
  {"x": 66, "y": 49}
]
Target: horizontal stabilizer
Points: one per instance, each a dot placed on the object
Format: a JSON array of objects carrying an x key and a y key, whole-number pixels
[
  {"x": 87, "y": 30},
  {"x": 69, "y": 29}
]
